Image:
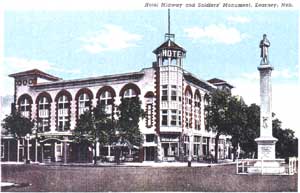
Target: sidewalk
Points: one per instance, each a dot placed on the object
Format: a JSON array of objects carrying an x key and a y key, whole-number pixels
[{"x": 129, "y": 164}]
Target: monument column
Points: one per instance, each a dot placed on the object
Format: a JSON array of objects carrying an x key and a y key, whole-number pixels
[
  {"x": 267, "y": 162},
  {"x": 266, "y": 141}
]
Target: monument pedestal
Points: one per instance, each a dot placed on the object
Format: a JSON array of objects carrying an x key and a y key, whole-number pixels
[
  {"x": 266, "y": 147},
  {"x": 266, "y": 162}
]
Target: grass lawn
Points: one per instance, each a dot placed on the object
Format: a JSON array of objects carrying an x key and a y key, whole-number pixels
[{"x": 102, "y": 179}]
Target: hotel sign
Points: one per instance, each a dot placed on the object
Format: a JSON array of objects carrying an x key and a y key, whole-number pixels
[{"x": 172, "y": 53}]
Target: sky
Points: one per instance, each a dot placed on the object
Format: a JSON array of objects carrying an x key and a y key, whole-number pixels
[{"x": 219, "y": 43}]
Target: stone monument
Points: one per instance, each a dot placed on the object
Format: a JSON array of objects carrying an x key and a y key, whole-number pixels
[{"x": 266, "y": 142}]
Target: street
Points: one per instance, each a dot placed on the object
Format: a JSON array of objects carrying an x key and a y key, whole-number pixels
[{"x": 101, "y": 179}]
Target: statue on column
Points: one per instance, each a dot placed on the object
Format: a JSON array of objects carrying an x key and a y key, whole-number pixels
[{"x": 264, "y": 46}]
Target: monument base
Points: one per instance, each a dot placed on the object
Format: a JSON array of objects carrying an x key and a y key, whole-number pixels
[
  {"x": 266, "y": 162},
  {"x": 267, "y": 167},
  {"x": 266, "y": 148}
]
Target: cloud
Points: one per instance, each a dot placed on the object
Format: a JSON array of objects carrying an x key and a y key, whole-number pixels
[
  {"x": 238, "y": 19},
  {"x": 110, "y": 38},
  {"x": 216, "y": 33}
]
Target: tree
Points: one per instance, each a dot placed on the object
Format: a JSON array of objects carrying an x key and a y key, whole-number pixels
[
  {"x": 17, "y": 125},
  {"x": 217, "y": 115},
  {"x": 251, "y": 130},
  {"x": 128, "y": 131},
  {"x": 94, "y": 126},
  {"x": 237, "y": 119},
  {"x": 287, "y": 144},
  {"x": 226, "y": 115}
]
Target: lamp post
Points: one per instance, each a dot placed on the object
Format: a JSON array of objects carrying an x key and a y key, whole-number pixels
[
  {"x": 35, "y": 132},
  {"x": 95, "y": 138},
  {"x": 190, "y": 149},
  {"x": 27, "y": 137}
]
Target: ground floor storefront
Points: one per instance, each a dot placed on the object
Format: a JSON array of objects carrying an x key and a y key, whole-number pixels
[{"x": 165, "y": 147}]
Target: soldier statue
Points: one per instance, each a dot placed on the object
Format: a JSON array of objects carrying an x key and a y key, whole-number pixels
[{"x": 264, "y": 46}]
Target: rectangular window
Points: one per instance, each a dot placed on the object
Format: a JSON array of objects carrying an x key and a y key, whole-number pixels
[
  {"x": 164, "y": 118},
  {"x": 173, "y": 95},
  {"x": 173, "y": 92},
  {"x": 204, "y": 140},
  {"x": 173, "y": 117},
  {"x": 149, "y": 115},
  {"x": 196, "y": 149},
  {"x": 43, "y": 124},
  {"x": 2, "y": 151},
  {"x": 164, "y": 96},
  {"x": 179, "y": 118},
  {"x": 197, "y": 139},
  {"x": 150, "y": 138},
  {"x": 63, "y": 124}
]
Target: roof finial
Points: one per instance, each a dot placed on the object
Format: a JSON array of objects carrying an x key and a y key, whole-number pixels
[
  {"x": 169, "y": 35},
  {"x": 169, "y": 22}
]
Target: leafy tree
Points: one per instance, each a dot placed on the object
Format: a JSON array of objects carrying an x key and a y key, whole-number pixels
[
  {"x": 287, "y": 144},
  {"x": 251, "y": 130},
  {"x": 226, "y": 115},
  {"x": 128, "y": 131},
  {"x": 237, "y": 119},
  {"x": 217, "y": 115},
  {"x": 17, "y": 125},
  {"x": 94, "y": 126}
]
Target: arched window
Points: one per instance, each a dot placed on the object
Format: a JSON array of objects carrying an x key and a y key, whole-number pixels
[
  {"x": 149, "y": 99},
  {"x": 206, "y": 104},
  {"x": 84, "y": 101},
  {"x": 130, "y": 90},
  {"x": 106, "y": 99},
  {"x": 43, "y": 111},
  {"x": 188, "y": 105},
  {"x": 25, "y": 103},
  {"x": 129, "y": 93},
  {"x": 63, "y": 100},
  {"x": 197, "y": 111}
]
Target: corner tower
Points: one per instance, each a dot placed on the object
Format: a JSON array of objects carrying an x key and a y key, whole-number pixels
[{"x": 169, "y": 89}]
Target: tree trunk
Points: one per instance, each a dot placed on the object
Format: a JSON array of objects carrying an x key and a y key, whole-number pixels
[
  {"x": 217, "y": 147},
  {"x": 234, "y": 153},
  {"x": 117, "y": 155},
  {"x": 95, "y": 153}
]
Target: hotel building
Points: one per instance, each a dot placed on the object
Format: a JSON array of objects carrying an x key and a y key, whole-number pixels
[{"x": 173, "y": 99}]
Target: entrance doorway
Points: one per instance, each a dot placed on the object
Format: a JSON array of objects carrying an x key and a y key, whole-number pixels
[{"x": 150, "y": 153}]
